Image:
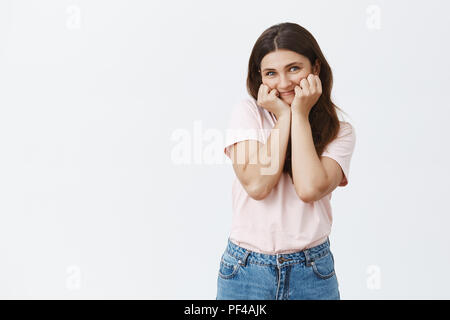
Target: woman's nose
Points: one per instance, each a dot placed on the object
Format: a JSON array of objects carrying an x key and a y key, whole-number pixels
[{"x": 285, "y": 82}]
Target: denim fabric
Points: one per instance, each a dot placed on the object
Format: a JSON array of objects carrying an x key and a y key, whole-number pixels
[{"x": 303, "y": 275}]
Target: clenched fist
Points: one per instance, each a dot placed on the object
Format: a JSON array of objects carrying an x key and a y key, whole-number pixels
[
  {"x": 307, "y": 94},
  {"x": 269, "y": 100}
]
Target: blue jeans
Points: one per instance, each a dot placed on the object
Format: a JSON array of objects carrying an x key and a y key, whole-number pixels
[{"x": 302, "y": 275}]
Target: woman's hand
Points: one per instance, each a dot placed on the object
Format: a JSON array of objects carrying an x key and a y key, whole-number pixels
[
  {"x": 306, "y": 95},
  {"x": 271, "y": 102}
]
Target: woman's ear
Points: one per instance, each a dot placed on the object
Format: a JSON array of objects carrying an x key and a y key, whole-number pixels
[{"x": 317, "y": 67}]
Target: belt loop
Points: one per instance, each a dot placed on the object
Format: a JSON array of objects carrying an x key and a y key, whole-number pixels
[
  {"x": 243, "y": 261},
  {"x": 308, "y": 260}
]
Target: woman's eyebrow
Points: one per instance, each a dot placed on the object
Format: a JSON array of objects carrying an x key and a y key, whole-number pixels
[{"x": 288, "y": 65}]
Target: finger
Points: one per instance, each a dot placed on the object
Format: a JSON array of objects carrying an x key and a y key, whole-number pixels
[
  {"x": 261, "y": 87},
  {"x": 312, "y": 81},
  {"x": 263, "y": 90},
  {"x": 274, "y": 92},
  {"x": 260, "y": 92},
  {"x": 298, "y": 91},
  {"x": 304, "y": 84},
  {"x": 319, "y": 84}
]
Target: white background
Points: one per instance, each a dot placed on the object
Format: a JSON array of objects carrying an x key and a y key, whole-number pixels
[{"x": 92, "y": 202}]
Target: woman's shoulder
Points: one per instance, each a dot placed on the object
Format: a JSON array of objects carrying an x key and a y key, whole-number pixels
[
  {"x": 249, "y": 102},
  {"x": 346, "y": 131},
  {"x": 345, "y": 127}
]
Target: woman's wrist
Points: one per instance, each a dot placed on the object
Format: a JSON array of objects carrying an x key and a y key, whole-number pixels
[
  {"x": 284, "y": 113},
  {"x": 299, "y": 114}
]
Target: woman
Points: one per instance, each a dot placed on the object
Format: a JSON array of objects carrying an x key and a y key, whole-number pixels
[{"x": 289, "y": 152}]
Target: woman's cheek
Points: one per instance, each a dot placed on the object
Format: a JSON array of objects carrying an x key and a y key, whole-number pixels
[
  {"x": 301, "y": 78},
  {"x": 267, "y": 83},
  {"x": 304, "y": 75}
]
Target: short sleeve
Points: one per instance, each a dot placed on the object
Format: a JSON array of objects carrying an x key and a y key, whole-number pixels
[
  {"x": 341, "y": 149},
  {"x": 244, "y": 124}
]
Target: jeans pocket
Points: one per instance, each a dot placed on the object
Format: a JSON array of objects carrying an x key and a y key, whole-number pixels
[
  {"x": 324, "y": 266},
  {"x": 229, "y": 266}
]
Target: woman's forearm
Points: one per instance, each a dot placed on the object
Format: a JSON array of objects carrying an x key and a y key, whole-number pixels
[
  {"x": 274, "y": 153},
  {"x": 307, "y": 170}
]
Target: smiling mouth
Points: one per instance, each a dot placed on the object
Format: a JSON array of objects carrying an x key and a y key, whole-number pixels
[{"x": 287, "y": 93}]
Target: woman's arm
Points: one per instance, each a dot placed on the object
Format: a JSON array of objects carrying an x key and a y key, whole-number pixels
[
  {"x": 262, "y": 170},
  {"x": 308, "y": 173}
]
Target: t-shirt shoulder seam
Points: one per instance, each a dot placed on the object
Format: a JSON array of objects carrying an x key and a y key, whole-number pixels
[{"x": 347, "y": 126}]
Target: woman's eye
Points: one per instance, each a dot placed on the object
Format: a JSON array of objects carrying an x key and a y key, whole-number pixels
[{"x": 269, "y": 72}]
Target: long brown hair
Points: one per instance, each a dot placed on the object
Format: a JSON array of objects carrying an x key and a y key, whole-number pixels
[{"x": 322, "y": 117}]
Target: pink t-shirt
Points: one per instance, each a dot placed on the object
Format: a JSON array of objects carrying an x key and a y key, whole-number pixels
[{"x": 281, "y": 222}]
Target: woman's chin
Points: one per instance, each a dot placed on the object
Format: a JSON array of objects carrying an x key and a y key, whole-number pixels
[{"x": 288, "y": 100}]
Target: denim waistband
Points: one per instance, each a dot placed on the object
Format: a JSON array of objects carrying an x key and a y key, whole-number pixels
[{"x": 308, "y": 256}]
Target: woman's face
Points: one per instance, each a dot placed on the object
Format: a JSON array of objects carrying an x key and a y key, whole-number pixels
[{"x": 283, "y": 70}]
